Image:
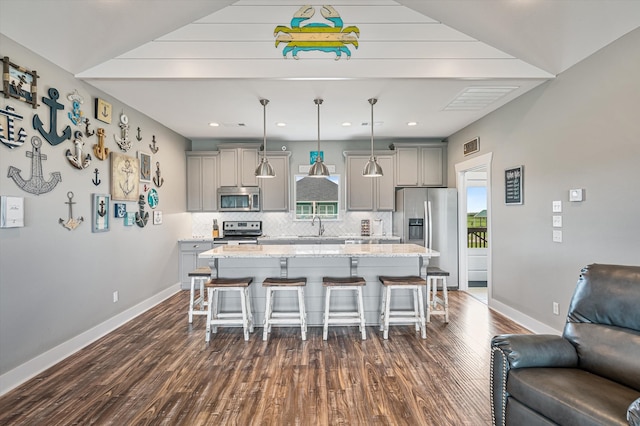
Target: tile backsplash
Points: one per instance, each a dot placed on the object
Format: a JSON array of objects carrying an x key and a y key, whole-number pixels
[{"x": 283, "y": 223}]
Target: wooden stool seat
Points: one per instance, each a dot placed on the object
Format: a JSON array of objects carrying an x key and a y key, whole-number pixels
[
  {"x": 197, "y": 305},
  {"x": 388, "y": 316},
  {"x": 437, "y": 305},
  {"x": 344, "y": 317},
  {"x": 273, "y": 285},
  {"x": 216, "y": 318}
]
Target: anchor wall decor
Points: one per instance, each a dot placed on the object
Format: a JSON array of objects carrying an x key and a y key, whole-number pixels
[
  {"x": 138, "y": 136},
  {"x": 51, "y": 136},
  {"x": 10, "y": 140},
  {"x": 87, "y": 132},
  {"x": 153, "y": 146},
  {"x": 142, "y": 217},
  {"x": 96, "y": 181},
  {"x": 99, "y": 150},
  {"x": 36, "y": 183},
  {"x": 75, "y": 158},
  {"x": 76, "y": 114},
  {"x": 123, "y": 142},
  {"x": 157, "y": 179},
  {"x": 70, "y": 223}
]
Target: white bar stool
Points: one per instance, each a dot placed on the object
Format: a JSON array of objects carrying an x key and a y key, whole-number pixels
[
  {"x": 201, "y": 275},
  {"x": 215, "y": 318},
  {"x": 344, "y": 317},
  {"x": 274, "y": 285},
  {"x": 415, "y": 316},
  {"x": 437, "y": 305}
]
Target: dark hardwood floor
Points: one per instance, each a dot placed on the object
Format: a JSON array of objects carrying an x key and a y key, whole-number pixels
[{"x": 157, "y": 369}]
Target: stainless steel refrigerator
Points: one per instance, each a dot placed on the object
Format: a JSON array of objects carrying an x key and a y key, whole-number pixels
[{"x": 429, "y": 217}]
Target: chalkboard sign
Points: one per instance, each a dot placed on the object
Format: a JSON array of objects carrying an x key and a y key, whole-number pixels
[{"x": 514, "y": 185}]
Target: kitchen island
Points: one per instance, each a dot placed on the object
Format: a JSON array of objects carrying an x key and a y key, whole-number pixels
[{"x": 314, "y": 261}]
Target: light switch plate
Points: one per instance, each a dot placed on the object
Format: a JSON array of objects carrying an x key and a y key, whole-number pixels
[
  {"x": 557, "y": 221},
  {"x": 556, "y": 206},
  {"x": 557, "y": 236}
]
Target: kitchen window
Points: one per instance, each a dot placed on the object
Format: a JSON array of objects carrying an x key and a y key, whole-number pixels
[{"x": 317, "y": 196}]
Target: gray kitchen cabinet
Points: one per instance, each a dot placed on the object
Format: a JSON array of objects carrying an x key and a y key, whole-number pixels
[
  {"x": 370, "y": 194},
  {"x": 202, "y": 181},
  {"x": 189, "y": 260},
  {"x": 275, "y": 191},
  {"x": 238, "y": 165},
  {"x": 420, "y": 164}
]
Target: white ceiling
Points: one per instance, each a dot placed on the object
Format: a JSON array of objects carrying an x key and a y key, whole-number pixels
[{"x": 186, "y": 63}]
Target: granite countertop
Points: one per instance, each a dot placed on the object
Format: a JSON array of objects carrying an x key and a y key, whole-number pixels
[
  {"x": 319, "y": 250},
  {"x": 328, "y": 237}
]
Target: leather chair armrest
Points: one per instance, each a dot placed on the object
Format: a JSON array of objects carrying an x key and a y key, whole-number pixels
[
  {"x": 633, "y": 413},
  {"x": 522, "y": 351}
]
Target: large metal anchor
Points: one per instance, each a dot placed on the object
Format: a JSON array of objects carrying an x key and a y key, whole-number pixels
[
  {"x": 36, "y": 183},
  {"x": 51, "y": 136},
  {"x": 71, "y": 223},
  {"x": 10, "y": 140},
  {"x": 99, "y": 150},
  {"x": 124, "y": 142},
  {"x": 153, "y": 147},
  {"x": 76, "y": 159}
]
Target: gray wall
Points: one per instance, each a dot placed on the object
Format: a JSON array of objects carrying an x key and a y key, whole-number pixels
[
  {"x": 56, "y": 283},
  {"x": 579, "y": 131}
]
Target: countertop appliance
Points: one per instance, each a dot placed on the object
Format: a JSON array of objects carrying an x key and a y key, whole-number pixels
[
  {"x": 239, "y": 199},
  {"x": 240, "y": 232},
  {"x": 429, "y": 217}
]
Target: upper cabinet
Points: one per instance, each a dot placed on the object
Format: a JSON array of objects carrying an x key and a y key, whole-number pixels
[
  {"x": 275, "y": 191},
  {"x": 202, "y": 181},
  {"x": 238, "y": 165},
  {"x": 366, "y": 193},
  {"x": 420, "y": 165}
]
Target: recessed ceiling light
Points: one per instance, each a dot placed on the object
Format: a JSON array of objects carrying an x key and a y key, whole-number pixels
[
  {"x": 212, "y": 124},
  {"x": 281, "y": 124},
  {"x": 346, "y": 124},
  {"x": 412, "y": 123}
]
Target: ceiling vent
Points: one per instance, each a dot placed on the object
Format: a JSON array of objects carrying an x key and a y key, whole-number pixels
[{"x": 475, "y": 98}]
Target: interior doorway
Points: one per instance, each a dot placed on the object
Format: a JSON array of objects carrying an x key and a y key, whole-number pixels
[{"x": 473, "y": 180}]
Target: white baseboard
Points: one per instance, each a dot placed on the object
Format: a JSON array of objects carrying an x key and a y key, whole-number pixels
[
  {"x": 522, "y": 319},
  {"x": 35, "y": 366}
]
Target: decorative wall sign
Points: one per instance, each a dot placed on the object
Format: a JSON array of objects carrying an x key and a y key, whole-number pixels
[
  {"x": 10, "y": 140},
  {"x": 103, "y": 111},
  {"x": 324, "y": 37},
  {"x": 76, "y": 114},
  {"x": 157, "y": 217},
  {"x": 96, "y": 181},
  {"x": 124, "y": 177},
  {"x": 142, "y": 217},
  {"x": 99, "y": 150},
  {"x": 36, "y": 183},
  {"x": 514, "y": 185},
  {"x": 75, "y": 157},
  {"x": 472, "y": 146},
  {"x": 145, "y": 166},
  {"x": 129, "y": 219},
  {"x": 157, "y": 179},
  {"x": 153, "y": 146},
  {"x": 100, "y": 212},
  {"x": 120, "y": 210},
  {"x": 19, "y": 83},
  {"x": 52, "y": 136},
  {"x": 12, "y": 212},
  {"x": 71, "y": 223},
  {"x": 124, "y": 142},
  {"x": 152, "y": 198}
]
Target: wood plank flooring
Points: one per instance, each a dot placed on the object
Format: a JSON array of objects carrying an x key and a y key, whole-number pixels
[{"x": 158, "y": 370}]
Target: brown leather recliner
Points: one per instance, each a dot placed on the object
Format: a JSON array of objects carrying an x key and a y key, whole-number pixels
[{"x": 588, "y": 376}]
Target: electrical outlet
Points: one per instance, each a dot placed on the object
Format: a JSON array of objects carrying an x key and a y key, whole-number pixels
[
  {"x": 556, "y": 308},
  {"x": 115, "y": 296}
]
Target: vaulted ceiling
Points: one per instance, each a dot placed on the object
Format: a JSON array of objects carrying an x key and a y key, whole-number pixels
[{"x": 440, "y": 63}]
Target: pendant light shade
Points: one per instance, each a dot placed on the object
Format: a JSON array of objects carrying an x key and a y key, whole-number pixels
[
  {"x": 318, "y": 169},
  {"x": 372, "y": 168},
  {"x": 264, "y": 169}
]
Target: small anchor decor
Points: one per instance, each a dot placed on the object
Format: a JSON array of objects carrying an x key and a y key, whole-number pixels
[
  {"x": 100, "y": 216},
  {"x": 36, "y": 183},
  {"x": 76, "y": 114},
  {"x": 88, "y": 133},
  {"x": 157, "y": 179},
  {"x": 51, "y": 136},
  {"x": 123, "y": 142},
  {"x": 153, "y": 146},
  {"x": 99, "y": 150},
  {"x": 138, "y": 136},
  {"x": 10, "y": 140},
  {"x": 142, "y": 217},
  {"x": 96, "y": 181},
  {"x": 75, "y": 158},
  {"x": 70, "y": 223}
]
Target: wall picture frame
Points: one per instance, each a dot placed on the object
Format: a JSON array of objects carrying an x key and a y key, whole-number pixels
[
  {"x": 100, "y": 205},
  {"x": 157, "y": 217},
  {"x": 19, "y": 83},
  {"x": 514, "y": 185},
  {"x": 145, "y": 166},
  {"x": 125, "y": 181},
  {"x": 119, "y": 210},
  {"x": 103, "y": 111}
]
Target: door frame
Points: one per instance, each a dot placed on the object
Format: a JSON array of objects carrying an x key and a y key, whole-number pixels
[{"x": 479, "y": 162}]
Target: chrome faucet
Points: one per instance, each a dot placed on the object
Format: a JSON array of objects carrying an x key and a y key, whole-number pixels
[{"x": 320, "y": 225}]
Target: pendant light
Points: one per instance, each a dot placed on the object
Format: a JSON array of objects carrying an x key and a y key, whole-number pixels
[
  {"x": 318, "y": 169},
  {"x": 372, "y": 168},
  {"x": 264, "y": 169}
]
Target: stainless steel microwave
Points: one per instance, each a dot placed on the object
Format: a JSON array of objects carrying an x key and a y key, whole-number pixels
[{"x": 239, "y": 199}]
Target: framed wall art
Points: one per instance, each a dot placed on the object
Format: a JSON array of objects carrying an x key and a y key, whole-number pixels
[
  {"x": 100, "y": 212},
  {"x": 145, "y": 166},
  {"x": 119, "y": 210},
  {"x": 103, "y": 111},
  {"x": 129, "y": 219},
  {"x": 125, "y": 181},
  {"x": 157, "y": 217},
  {"x": 19, "y": 83},
  {"x": 514, "y": 185}
]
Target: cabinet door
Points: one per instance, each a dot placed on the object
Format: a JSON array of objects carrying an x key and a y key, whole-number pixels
[
  {"x": 275, "y": 191},
  {"x": 248, "y": 164},
  {"x": 432, "y": 166},
  {"x": 359, "y": 188},
  {"x": 385, "y": 185},
  {"x": 194, "y": 184},
  {"x": 407, "y": 160},
  {"x": 209, "y": 184},
  {"x": 228, "y": 167},
  {"x": 189, "y": 260}
]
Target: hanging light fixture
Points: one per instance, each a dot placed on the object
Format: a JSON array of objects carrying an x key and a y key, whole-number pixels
[
  {"x": 264, "y": 169},
  {"x": 372, "y": 168},
  {"x": 318, "y": 169}
]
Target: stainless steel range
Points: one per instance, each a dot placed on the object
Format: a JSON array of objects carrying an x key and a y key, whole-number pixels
[{"x": 240, "y": 232}]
